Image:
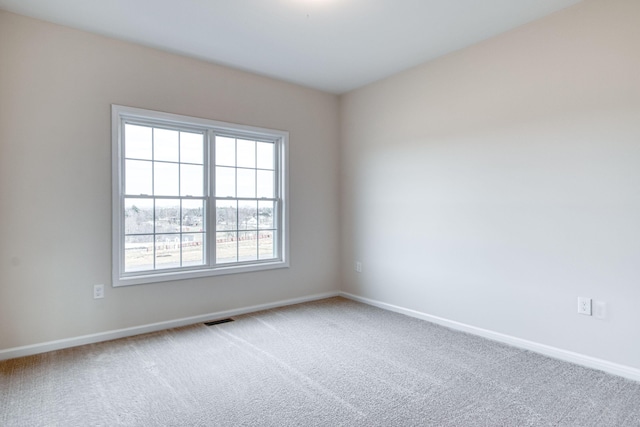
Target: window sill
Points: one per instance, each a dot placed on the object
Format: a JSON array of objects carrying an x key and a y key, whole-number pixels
[{"x": 155, "y": 277}]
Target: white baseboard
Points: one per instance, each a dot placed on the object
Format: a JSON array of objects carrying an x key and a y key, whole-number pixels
[
  {"x": 557, "y": 353},
  {"x": 29, "y": 350}
]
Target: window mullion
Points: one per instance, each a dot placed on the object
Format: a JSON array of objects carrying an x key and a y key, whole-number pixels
[
  {"x": 237, "y": 203},
  {"x": 153, "y": 193},
  {"x": 180, "y": 200},
  {"x": 210, "y": 158}
]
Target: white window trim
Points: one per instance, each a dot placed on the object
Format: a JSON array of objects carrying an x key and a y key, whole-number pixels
[{"x": 119, "y": 278}]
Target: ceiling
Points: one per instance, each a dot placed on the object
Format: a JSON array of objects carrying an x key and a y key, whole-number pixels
[{"x": 331, "y": 45}]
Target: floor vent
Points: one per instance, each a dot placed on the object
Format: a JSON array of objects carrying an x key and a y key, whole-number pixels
[{"x": 217, "y": 322}]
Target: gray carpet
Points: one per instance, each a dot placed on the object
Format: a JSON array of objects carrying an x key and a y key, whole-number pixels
[{"x": 329, "y": 363}]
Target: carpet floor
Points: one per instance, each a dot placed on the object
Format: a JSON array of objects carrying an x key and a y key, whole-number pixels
[{"x": 333, "y": 362}]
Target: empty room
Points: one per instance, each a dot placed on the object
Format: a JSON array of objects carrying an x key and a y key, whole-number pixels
[{"x": 320, "y": 213}]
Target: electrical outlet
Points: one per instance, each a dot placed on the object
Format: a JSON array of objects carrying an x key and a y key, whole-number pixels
[
  {"x": 358, "y": 267},
  {"x": 584, "y": 306},
  {"x": 98, "y": 291}
]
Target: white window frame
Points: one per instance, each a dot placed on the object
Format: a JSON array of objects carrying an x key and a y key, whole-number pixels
[{"x": 211, "y": 128}]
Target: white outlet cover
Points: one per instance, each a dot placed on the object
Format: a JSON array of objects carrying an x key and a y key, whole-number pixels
[
  {"x": 600, "y": 309},
  {"x": 98, "y": 291},
  {"x": 584, "y": 306}
]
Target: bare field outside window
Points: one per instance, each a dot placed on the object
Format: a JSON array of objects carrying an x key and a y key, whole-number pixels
[
  {"x": 248, "y": 246},
  {"x": 139, "y": 256}
]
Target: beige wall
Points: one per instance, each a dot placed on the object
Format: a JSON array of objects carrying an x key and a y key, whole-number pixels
[
  {"x": 56, "y": 88},
  {"x": 490, "y": 187},
  {"x": 496, "y": 185}
]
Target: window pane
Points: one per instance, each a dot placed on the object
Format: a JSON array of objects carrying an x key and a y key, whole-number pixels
[
  {"x": 193, "y": 215},
  {"x": 246, "y": 183},
  {"x": 265, "y": 155},
  {"x": 138, "y": 216},
  {"x": 137, "y": 142},
  {"x": 138, "y": 253},
  {"x": 191, "y": 180},
  {"x": 167, "y": 216},
  {"x": 246, "y": 153},
  {"x": 225, "y": 182},
  {"x": 265, "y": 183},
  {"x": 191, "y": 147},
  {"x": 226, "y": 247},
  {"x": 138, "y": 177},
  {"x": 167, "y": 251},
  {"x": 225, "y": 151},
  {"x": 226, "y": 215},
  {"x": 265, "y": 214},
  {"x": 192, "y": 249},
  {"x": 266, "y": 248},
  {"x": 165, "y": 145},
  {"x": 166, "y": 179},
  {"x": 248, "y": 246},
  {"x": 248, "y": 215}
]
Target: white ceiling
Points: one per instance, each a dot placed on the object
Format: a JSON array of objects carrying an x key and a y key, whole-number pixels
[{"x": 332, "y": 45}]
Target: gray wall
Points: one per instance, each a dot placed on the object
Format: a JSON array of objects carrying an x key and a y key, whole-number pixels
[
  {"x": 495, "y": 185},
  {"x": 56, "y": 88}
]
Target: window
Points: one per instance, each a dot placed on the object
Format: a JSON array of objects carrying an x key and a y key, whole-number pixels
[{"x": 195, "y": 197}]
